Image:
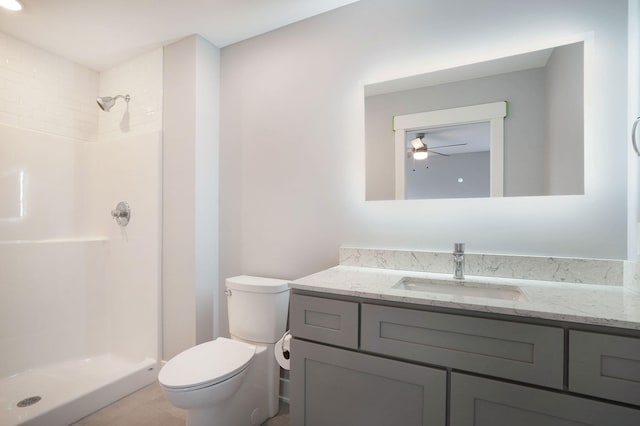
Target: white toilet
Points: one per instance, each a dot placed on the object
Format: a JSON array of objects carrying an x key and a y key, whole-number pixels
[{"x": 234, "y": 382}]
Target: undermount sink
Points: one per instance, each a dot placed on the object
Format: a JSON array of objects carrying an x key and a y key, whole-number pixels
[{"x": 461, "y": 288}]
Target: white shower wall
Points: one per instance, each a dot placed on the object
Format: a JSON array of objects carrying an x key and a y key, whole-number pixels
[
  {"x": 141, "y": 78},
  {"x": 126, "y": 166},
  {"x": 42, "y": 185},
  {"x": 132, "y": 266},
  {"x": 72, "y": 285},
  {"x": 44, "y": 92},
  {"x": 49, "y": 314}
]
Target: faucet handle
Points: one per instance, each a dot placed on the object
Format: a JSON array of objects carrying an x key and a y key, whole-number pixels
[{"x": 458, "y": 247}]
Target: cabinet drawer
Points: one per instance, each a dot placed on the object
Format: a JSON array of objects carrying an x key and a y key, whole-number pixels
[
  {"x": 324, "y": 320},
  {"x": 338, "y": 387},
  {"x": 605, "y": 366},
  {"x": 481, "y": 402},
  {"x": 516, "y": 351}
]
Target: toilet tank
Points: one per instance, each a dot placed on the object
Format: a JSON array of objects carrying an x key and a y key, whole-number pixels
[{"x": 257, "y": 307}]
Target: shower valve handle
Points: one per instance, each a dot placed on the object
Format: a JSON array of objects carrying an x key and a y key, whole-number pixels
[{"x": 122, "y": 213}]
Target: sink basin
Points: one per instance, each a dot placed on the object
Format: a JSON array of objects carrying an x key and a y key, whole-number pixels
[{"x": 461, "y": 288}]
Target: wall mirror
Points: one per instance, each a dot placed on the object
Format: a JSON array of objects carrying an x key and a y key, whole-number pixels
[{"x": 512, "y": 126}]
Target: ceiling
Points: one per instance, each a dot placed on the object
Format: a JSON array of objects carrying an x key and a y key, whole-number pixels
[{"x": 102, "y": 33}]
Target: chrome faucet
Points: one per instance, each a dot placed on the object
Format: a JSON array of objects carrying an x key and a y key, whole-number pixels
[{"x": 458, "y": 261}]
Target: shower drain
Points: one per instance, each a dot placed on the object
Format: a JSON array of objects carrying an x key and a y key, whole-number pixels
[{"x": 29, "y": 401}]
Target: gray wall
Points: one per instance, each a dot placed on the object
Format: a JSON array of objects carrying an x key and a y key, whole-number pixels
[{"x": 288, "y": 202}]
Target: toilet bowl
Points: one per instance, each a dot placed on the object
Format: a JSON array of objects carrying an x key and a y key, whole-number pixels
[
  {"x": 233, "y": 381},
  {"x": 206, "y": 374}
]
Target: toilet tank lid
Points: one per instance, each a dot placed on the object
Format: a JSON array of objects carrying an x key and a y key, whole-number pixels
[{"x": 257, "y": 284}]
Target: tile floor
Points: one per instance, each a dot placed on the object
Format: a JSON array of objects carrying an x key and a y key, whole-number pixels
[{"x": 148, "y": 407}]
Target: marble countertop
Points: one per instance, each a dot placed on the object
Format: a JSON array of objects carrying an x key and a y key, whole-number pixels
[{"x": 605, "y": 305}]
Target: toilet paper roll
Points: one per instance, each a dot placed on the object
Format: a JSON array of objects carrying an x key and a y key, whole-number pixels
[{"x": 281, "y": 351}]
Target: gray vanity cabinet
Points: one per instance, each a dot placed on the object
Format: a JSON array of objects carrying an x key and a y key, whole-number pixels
[
  {"x": 355, "y": 363},
  {"x": 478, "y": 401},
  {"x": 341, "y": 387}
]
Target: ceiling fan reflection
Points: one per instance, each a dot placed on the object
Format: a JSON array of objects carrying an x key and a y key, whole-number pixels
[{"x": 420, "y": 150}]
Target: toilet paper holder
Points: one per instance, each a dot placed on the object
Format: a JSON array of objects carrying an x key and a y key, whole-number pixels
[
  {"x": 282, "y": 349},
  {"x": 285, "y": 345}
]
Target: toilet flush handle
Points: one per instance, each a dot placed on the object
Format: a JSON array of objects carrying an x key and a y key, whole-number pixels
[{"x": 227, "y": 292}]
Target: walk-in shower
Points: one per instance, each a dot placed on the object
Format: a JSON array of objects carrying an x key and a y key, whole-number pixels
[{"x": 79, "y": 295}]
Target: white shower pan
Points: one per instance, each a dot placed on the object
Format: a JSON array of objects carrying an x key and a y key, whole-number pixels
[{"x": 68, "y": 391}]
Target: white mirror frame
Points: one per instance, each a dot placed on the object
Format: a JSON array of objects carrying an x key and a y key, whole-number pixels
[{"x": 494, "y": 113}]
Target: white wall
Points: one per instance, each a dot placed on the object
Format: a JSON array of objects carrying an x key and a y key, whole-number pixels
[
  {"x": 178, "y": 197},
  {"x": 207, "y": 205},
  {"x": 292, "y": 135},
  {"x": 190, "y": 194},
  {"x": 44, "y": 92}
]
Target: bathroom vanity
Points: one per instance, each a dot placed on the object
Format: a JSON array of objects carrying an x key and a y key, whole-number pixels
[{"x": 377, "y": 346}]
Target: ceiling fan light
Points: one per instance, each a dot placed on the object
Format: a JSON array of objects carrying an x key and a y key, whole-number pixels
[{"x": 420, "y": 154}]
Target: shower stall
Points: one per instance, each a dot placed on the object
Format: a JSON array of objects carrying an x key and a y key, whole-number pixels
[{"x": 79, "y": 294}]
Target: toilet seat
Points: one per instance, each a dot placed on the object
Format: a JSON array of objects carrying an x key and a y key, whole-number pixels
[{"x": 206, "y": 364}]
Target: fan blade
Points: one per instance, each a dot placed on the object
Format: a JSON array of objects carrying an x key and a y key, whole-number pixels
[
  {"x": 438, "y": 153},
  {"x": 447, "y": 146}
]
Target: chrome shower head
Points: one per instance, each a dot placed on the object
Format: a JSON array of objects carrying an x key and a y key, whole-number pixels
[{"x": 106, "y": 102}]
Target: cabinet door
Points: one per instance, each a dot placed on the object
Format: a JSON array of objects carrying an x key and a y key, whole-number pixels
[
  {"x": 482, "y": 402},
  {"x": 324, "y": 320},
  {"x": 338, "y": 387}
]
